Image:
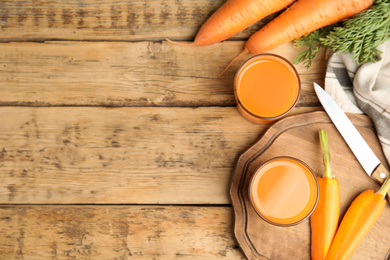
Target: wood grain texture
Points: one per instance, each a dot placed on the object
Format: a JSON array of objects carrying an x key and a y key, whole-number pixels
[
  {"x": 130, "y": 74},
  {"x": 30, "y": 20},
  {"x": 117, "y": 232},
  {"x": 121, "y": 155},
  {"x": 297, "y": 137}
]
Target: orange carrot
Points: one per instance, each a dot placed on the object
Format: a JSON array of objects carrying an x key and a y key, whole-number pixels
[
  {"x": 302, "y": 17},
  {"x": 233, "y": 17},
  {"x": 325, "y": 218},
  {"x": 357, "y": 222}
]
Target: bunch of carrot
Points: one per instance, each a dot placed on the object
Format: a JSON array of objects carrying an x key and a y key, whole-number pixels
[
  {"x": 327, "y": 243},
  {"x": 301, "y": 17}
]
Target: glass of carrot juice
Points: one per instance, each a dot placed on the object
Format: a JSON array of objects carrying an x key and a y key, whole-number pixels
[
  {"x": 284, "y": 191},
  {"x": 266, "y": 87}
]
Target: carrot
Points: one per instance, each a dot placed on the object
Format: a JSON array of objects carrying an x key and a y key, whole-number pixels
[
  {"x": 325, "y": 218},
  {"x": 302, "y": 17},
  {"x": 357, "y": 222},
  {"x": 233, "y": 17}
]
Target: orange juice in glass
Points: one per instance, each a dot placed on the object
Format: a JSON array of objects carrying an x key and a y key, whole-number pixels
[
  {"x": 266, "y": 87},
  {"x": 284, "y": 191}
]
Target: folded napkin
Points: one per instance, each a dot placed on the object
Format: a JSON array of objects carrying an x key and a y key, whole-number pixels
[{"x": 363, "y": 89}]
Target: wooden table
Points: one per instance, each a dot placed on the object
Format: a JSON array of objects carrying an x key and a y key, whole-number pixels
[{"x": 114, "y": 143}]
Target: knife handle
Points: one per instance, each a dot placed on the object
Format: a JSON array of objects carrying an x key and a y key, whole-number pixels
[{"x": 381, "y": 174}]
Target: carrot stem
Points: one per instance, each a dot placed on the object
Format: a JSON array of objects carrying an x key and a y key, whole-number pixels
[
  {"x": 325, "y": 154},
  {"x": 384, "y": 188}
]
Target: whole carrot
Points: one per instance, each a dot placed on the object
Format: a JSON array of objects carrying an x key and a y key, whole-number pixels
[
  {"x": 357, "y": 222},
  {"x": 302, "y": 17},
  {"x": 325, "y": 218},
  {"x": 234, "y": 16}
]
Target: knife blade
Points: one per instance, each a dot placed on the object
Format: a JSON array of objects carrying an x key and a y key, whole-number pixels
[{"x": 362, "y": 151}]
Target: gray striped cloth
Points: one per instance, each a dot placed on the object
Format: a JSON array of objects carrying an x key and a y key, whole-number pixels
[{"x": 363, "y": 89}]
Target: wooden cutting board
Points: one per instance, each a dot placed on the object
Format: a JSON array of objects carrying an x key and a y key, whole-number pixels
[{"x": 297, "y": 136}]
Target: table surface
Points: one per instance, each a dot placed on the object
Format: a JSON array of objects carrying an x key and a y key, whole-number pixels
[{"x": 114, "y": 143}]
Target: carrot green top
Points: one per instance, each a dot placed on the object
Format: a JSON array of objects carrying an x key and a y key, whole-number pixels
[{"x": 325, "y": 153}]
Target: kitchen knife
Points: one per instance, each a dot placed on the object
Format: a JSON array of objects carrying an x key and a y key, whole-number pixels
[{"x": 355, "y": 141}]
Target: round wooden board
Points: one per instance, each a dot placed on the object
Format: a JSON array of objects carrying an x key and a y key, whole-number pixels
[{"x": 297, "y": 136}]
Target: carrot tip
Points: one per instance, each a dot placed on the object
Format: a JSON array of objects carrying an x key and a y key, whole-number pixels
[
  {"x": 244, "y": 51},
  {"x": 180, "y": 43}
]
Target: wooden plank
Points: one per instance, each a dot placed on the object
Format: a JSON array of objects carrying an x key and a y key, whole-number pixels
[
  {"x": 120, "y": 155},
  {"x": 130, "y": 74},
  {"x": 117, "y": 232},
  {"x": 31, "y": 20}
]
